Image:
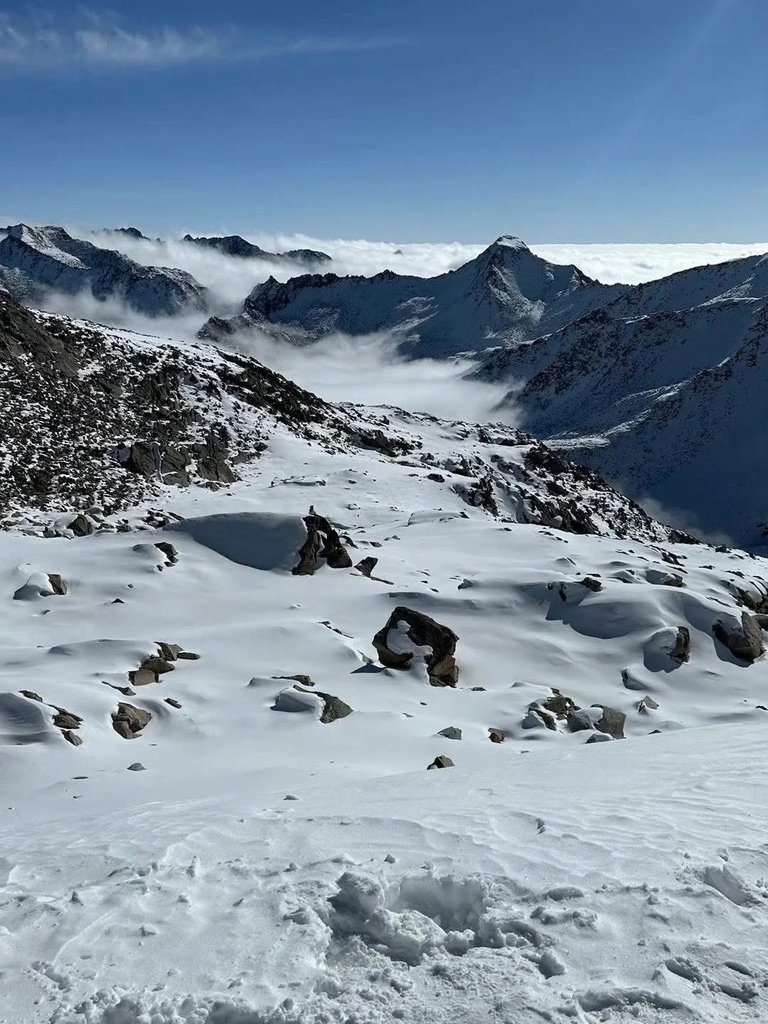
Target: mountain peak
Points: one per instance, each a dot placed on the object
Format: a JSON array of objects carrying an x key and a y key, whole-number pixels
[
  {"x": 510, "y": 242},
  {"x": 37, "y": 235}
]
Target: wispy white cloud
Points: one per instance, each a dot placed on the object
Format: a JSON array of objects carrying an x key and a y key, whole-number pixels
[{"x": 98, "y": 41}]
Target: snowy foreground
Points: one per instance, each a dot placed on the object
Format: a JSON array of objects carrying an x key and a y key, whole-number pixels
[{"x": 269, "y": 868}]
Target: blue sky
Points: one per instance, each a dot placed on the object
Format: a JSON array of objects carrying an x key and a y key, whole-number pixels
[{"x": 585, "y": 120}]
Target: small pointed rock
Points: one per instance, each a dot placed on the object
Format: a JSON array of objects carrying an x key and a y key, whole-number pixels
[{"x": 441, "y": 761}]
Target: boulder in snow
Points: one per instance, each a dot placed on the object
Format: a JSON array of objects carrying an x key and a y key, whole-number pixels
[
  {"x": 405, "y": 632},
  {"x": 744, "y": 640}
]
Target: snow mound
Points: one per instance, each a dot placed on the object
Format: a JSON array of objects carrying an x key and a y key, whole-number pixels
[{"x": 261, "y": 540}]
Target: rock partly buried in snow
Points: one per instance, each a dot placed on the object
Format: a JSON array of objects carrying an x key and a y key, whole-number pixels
[
  {"x": 451, "y": 732},
  {"x": 137, "y": 766},
  {"x": 647, "y": 704},
  {"x": 170, "y": 552},
  {"x": 591, "y": 584},
  {"x": 611, "y": 721},
  {"x": 322, "y": 544},
  {"x": 664, "y": 579},
  {"x": 681, "y": 652},
  {"x": 326, "y": 707},
  {"x": 143, "y": 677},
  {"x": 496, "y": 735},
  {"x": 169, "y": 652},
  {"x": 367, "y": 565},
  {"x": 405, "y": 632},
  {"x": 81, "y": 525},
  {"x": 441, "y": 761},
  {"x": 554, "y": 711},
  {"x": 157, "y": 665},
  {"x": 128, "y": 721},
  {"x": 42, "y": 584},
  {"x": 745, "y": 640},
  {"x": 64, "y": 719},
  {"x": 334, "y": 708}
]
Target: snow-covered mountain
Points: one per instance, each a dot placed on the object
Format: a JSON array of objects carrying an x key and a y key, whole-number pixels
[
  {"x": 661, "y": 389},
  {"x": 242, "y": 623},
  {"x": 506, "y": 293},
  {"x": 236, "y": 245},
  {"x": 34, "y": 260}
]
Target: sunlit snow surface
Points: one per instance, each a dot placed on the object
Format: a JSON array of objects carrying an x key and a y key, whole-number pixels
[{"x": 539, "y": 879}]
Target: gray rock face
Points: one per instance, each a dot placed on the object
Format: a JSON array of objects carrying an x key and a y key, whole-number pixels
[
  {"x": 422, "y": 631},
  {"x": 451, "y": 732},
  {"x": 745, "y": 641},
  {"x": 49, "y": 257}
]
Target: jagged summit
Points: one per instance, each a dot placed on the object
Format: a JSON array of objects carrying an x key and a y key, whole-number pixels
[{"x": 507, "y": 293}]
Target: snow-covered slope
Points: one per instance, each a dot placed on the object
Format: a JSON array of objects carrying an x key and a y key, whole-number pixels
[
  {"x": 660, "y": 389},
  {"x": 261, "y": 864},
  {"x": 505, "y": 293},
  {"x": 35, "y": 259},
  {"x": 218, "y": 706},
  {"x": 102, "y": 417}
]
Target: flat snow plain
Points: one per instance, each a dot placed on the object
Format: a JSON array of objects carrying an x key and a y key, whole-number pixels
[{"x": 266, "y": 868}]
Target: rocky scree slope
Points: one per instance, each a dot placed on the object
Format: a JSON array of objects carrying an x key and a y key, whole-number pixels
[
  {"x": 101, "y": 417},
  {"x": 34, "y": 260},
  {"x": 503, "y": 294}
]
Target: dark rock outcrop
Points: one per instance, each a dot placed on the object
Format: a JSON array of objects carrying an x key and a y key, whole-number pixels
[
  {"x": 422, "y": 631},
  {"x": 322, "y": 543}
]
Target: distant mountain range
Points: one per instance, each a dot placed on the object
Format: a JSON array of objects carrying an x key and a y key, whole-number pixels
[
  {"x": 505, "y": 294},
  {"x": 236, "y": 245},
  {"x": 34, "y": 260},
  {"x": 660, "y": 386}
]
